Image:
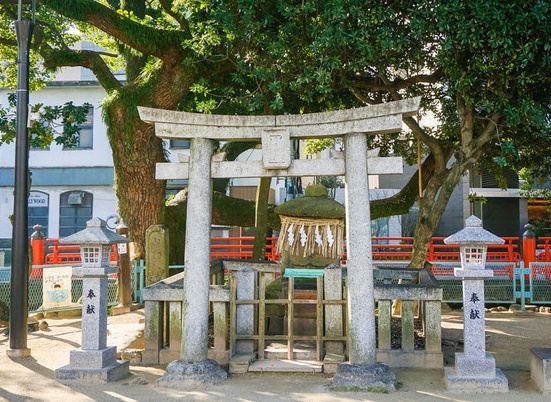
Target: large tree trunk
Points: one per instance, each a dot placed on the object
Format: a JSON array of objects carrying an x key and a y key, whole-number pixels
[
  {"x": 431, "y": 208},
  {"x": 140, "y": 196},
  {"x": 261, "y": 217}
]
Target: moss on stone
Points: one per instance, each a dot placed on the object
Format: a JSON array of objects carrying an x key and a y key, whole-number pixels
[
  {"x": 312, "y": 207},
  {"x": 316, "y": 190}
]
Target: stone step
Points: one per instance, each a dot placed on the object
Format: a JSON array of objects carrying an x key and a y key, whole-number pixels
[
  {"x": 286, "y": 366},
  {"x": 301, "y": 351}
]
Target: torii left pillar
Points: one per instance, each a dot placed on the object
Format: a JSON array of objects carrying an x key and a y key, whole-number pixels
[{"x": 193, "y": 367}]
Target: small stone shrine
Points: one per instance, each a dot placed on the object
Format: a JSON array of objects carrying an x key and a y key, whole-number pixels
[
  {"x": 475, "y": 369},
  {"x": 312, "y": 229},
  {"x": 94, "y": 361},
  {"x": 276, "y": 134}
]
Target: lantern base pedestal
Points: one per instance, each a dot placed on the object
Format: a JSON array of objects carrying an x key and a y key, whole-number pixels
[
  {"x": 98, "y": 366},
  {"x": 370, "y": 377},
  {"x": 483, "y": 385},
  {"x": 116, "y": 371}
]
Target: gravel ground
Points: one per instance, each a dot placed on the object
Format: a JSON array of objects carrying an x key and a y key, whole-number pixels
[{"x": 509, "y": 337}]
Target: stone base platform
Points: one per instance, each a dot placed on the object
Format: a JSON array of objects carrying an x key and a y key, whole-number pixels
[
  {"x": 417, "y": 358},
  {"x": 457, "y": 383},
  {"x": 540, "y": 368},
  {"x": 372, "y": 378},
  {"x": 180, "y": 374},
  {"x": 286, "y": 366},
  {"x": 114, "y": 372}
]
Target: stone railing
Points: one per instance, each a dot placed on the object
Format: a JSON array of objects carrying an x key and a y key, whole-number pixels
[
  {"x": 163, "y": 320},
  {"x": 409, "y": 286}
]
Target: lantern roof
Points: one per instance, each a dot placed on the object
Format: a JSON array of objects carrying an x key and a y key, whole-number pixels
[
  {"x": 473, "y": 233},
  {"x": 96, "y": 232}
]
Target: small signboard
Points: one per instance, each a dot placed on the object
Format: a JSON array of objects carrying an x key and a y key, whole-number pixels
[
  {"x": 56, "y": 287},
  {"x": 37, "y": 199},
  {"x": 121, "y": 248}
]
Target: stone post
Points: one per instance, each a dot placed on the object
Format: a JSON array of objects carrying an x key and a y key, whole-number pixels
[
  {"x": 124, "y": 291},
  {"x": 156, "y": 254},
  {"x": 363, "y": 372},
  {"x": 332, "y": 288},
  {"x": 246, "y": 280},
  {"x": 194, "y": 368}
]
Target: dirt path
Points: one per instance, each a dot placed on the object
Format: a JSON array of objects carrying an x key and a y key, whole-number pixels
[{"x": 510, "y": 337}]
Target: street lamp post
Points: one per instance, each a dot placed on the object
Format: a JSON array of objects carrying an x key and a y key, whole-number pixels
[{"x": 20, "y": 246}]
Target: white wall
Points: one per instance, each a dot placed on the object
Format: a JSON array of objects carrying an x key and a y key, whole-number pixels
[
  {"x": 104, "y": 204},
  {"x": 99, "y": 155}
]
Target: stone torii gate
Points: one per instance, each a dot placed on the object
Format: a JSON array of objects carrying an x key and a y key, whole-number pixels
[{"x": 275, "y": 133}]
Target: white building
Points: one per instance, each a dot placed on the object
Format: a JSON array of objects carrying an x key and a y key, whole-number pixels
[{"x": 69, "y": 186}]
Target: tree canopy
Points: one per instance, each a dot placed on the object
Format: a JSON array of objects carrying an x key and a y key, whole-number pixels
[{"x": 482, "y": 68}]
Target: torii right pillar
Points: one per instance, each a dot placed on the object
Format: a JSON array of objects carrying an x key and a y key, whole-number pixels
[{"x": 362, "y": 372}]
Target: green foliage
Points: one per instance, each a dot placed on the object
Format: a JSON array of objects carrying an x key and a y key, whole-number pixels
[{"x": 59, "y": 124}]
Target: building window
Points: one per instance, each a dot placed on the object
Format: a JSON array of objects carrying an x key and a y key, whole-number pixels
[
  {"x": 85, "y": 137},
  {"x": 38, "y": 203},
  {"x": 75, "y": 209},
  {"x": 180, "y": 144}
]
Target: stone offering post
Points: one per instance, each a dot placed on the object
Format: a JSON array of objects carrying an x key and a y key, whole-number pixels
[
  {"x": 124, "y": 294},
  {"x": 475, "y": 370},
  {"x": 94, "y": 361}
]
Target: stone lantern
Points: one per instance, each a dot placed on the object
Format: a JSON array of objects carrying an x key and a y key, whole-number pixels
[
  {"x": 475, "y": 370},
  {"x": 94, "y": 361}
]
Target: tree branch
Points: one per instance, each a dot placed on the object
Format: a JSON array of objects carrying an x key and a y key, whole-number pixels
[
  {"x": 488, "y": 132},
  {"x": 161, "y": 43},
  {"x": 375, "y": 84},
  {"x": 433, "y": 143},
  {"x": 54, "y": 58},
  {"x": 401, "y": 202},
  {"x": 167, "y": 7}
]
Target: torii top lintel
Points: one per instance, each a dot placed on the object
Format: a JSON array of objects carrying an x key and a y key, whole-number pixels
[{"x": 381, "y": 118}]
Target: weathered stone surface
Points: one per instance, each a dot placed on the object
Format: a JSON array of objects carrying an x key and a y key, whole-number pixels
[
  {"x": 116, "y": 371},
  {"x": 332, "y": 287},
  {"x": 474, "y": 369},
  {"x": 382, "y": 118},
  {"x": 94, "y": 313},
  {"x": 93, "y": 358},
  {"x": 331, "y": 362},
  {"x": 197, "y": 259},
  {"x": 482, "y": 385},
  {"x": 417, "y": 358},
  {"x": 371, "y": 377},
  {"x": 94, "y": 362},
  {"x": 297, "y": 167},
  {"x": 156, "y": 254},
  {"x": 286, "y": 366},
  {"x": 359, "y": 264},
  {"x": 540, "y": 368},
  {"x": 181, "y": 374},
  {"x": 246, "y": 283},
  {"x": 276, "y": 148}
]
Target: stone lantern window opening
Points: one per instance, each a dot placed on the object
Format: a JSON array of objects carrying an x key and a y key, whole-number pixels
[{"x": 473, "y": 256}]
